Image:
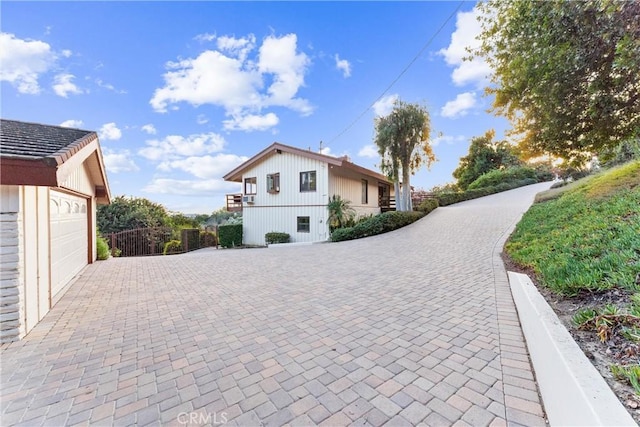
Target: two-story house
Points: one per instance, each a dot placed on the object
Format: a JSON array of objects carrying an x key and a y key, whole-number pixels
[{"x": 287, "y": 189}]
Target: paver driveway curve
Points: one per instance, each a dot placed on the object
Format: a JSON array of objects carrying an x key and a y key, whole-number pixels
[{"x": 414, "y": 326}]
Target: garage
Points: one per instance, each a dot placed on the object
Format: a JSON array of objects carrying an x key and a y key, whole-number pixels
[
  {"x": 51, "y": 180},
  {"x": 69, "y": 231}
]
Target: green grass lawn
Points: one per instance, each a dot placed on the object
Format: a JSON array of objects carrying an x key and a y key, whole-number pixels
[{"x": 586, "y": 239}]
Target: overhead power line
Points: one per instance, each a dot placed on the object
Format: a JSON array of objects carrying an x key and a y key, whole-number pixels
[{"x": 415, "y": 58}]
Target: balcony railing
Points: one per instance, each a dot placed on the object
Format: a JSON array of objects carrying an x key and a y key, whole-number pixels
[{"x": 234, "y": 202}]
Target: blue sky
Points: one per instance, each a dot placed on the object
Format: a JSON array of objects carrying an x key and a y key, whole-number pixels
[{"x": 182, "y": 92}]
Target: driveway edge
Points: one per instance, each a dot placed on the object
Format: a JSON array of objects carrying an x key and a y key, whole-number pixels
[{"x": 572, "y": 390}]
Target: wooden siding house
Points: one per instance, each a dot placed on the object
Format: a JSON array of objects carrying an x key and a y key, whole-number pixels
[
  {"x": 51, "y": 179},
  {"x": 287, "y": 189}
]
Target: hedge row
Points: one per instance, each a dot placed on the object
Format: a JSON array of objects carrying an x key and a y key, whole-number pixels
[
  {"x": 230, "y": 235},
  {"x": 378, "y": 224},
  {"x": 500, "y": 176},
  {"x": 427, "y": 206},
  {"x": 445, "y": 199}
]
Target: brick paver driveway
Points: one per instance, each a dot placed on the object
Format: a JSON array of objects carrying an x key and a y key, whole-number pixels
[{"x": 414, "y": 326}]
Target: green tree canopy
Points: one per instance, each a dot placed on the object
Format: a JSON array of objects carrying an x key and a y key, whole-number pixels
[
  {"x": 128, "y": 213},
  {"x": 402, "y": 138},
  {"x": 565, "y": 72},
  {"x": 484, "y": 155}
]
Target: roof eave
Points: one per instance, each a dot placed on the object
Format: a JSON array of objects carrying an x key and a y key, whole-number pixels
[{"x": 236, "y": 174}]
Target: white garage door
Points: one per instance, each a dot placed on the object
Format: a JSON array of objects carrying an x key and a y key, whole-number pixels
[{"x": 69, "y": 238}]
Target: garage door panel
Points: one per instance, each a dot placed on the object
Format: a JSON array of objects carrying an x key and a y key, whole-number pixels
[{"x": 69, "y": 244}]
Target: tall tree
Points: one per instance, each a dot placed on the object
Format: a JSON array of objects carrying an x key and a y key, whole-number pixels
[
  {"x": 402, "y": 138},
  {"x": 484, "y": 155},
  {"x": 565, "y": 72},
  {"x": 128, "y": 213}
]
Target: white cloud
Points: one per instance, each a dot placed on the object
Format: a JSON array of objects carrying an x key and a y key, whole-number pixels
[
  {"x": 278, "y": 56},
  {"x": 228, "y": 78},
  {"x": 251, "y": 122},
  {"x": 66, "y": 53},
  {"x": 63, "y": 85},
  {"x": 202, "y": 119},
  {"x": 237, "y": 48},
  {"x": 176, "y": 146},
  {"x": 23, "y": 61},
  {"x": 448, "y": 139},
  {"x": 384, "y": 106},
  {"x": 119, "y": 161},
  {"x": 370, "y": 151},
  {"x": 181, "y": 187},
  {"x": 109, "y": 131},
  {"x": 326, "y": 151},
  {"x": 71, "y": 123},
  {"x": 344, "y": 65},
  {"x": 206, "y": 37},
  {"x": 464, "y": 36},
  {"x": 205, "y": 167},
  {"x": 109, "y": 86},
  {"x": 460, "y": 106},
  {"x": 150, "y": 129}
]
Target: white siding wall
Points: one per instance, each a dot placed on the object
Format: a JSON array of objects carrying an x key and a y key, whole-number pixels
[
  {"x": 11, "y": 278},
  {"x": 279, "y": 212},
  {"x": 350, "y": 188},
  {"x": 80, "y": 181}
]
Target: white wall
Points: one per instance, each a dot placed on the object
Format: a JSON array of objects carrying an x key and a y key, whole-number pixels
[{"x": 279, "y": 212}]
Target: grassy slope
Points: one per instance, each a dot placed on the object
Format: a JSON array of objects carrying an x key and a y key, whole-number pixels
[{"x": 587, "y": 239}]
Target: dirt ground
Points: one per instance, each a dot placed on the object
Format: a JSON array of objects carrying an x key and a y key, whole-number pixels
[{"x": 601, "y": 354}]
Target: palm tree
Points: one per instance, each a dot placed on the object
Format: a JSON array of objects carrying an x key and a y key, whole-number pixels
[{"x": 340, "y": 212}]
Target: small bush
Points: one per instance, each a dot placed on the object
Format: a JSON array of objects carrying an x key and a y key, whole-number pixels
[
  {"x": 230, "y": 235},
  {"x": 172, "y": 247},
  {"x": 275, "y": 237},
  {"x": 428, "y": 205},
  {"x": 208, "y": 239},
  {"x": 378, "y": 224},
  {"x": 103, "y": 247}
]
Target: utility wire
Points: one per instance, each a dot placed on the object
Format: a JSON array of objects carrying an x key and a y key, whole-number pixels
[{"x": 427, "y": 44}]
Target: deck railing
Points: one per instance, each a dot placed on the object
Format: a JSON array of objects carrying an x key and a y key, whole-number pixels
[{"x": 234, "y": 202}]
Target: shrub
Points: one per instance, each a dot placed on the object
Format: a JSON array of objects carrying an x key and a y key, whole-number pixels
[
  {"x": 428, "y": 205},
  {"x": 103, "y": 247},
  {"x": 172, "y": 247},
  {"x": 230, "y": 235},
  {"x": 499, "y": 176},
  {"x": 378, "y": 224},
  {"x": 208, "y": 239},
  {"x": 275, "y": 237}
]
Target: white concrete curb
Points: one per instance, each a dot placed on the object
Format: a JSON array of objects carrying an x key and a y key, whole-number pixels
[{"x": 573, "y": 391}]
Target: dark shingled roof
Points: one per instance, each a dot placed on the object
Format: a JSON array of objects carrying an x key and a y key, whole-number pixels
[{"x": 36, "y": 141}]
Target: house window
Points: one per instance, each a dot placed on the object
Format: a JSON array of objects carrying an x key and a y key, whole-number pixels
[
  {"x": 273, "y": 183},
  {"x": 250, "y": 185},
  {"x": 304, "y": 224},
  {"x": 365, "y": 192},
  {"x": 308, "y": 181}
]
